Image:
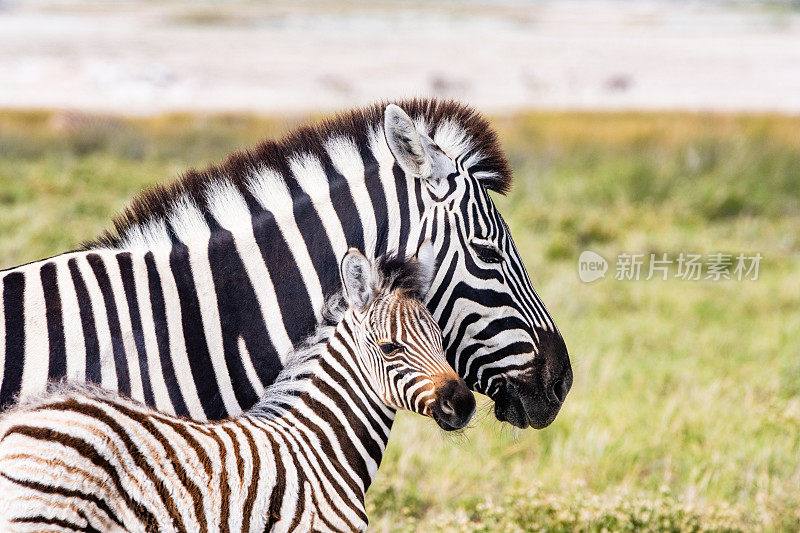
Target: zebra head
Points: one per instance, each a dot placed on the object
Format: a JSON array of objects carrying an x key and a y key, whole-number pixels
[
  {"x": 399, "y": 344},
  {"x": 498, "y": 335}
]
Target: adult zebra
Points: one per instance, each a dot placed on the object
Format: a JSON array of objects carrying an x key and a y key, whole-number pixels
[{"x": 187, "y": 302}]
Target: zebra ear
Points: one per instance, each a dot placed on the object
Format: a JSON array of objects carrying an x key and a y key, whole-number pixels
[
  {"x": 427, "y": 263},
  {"x": 415, "y": 152},
  {"x": 356, "y": 273}
]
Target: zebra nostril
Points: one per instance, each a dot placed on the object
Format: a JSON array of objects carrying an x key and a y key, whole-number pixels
[
  {"x": 560, "y": 390},
  {"x": 447, "y": 407}
]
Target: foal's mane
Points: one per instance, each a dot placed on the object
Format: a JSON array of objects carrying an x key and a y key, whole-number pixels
[
  {"x": 391, "y": 273},
  {"x": 465, "y": 133}
]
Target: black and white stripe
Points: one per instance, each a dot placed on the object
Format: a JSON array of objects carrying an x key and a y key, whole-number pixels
[
  {"x": 301, "y": 459},
  {"x": 189, "y": 302}
]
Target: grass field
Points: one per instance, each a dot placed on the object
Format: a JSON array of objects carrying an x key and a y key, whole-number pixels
[{"x": 685, "y": 411}]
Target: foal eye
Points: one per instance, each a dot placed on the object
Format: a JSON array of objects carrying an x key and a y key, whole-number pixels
[
  {"x": 389, "y": 347},
  {"x": 487, "y": 253}
]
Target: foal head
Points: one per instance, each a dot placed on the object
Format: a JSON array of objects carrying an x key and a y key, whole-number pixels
[{"x": 398, "y": 342}]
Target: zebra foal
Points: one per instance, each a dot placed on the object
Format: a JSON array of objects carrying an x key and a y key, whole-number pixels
[{"x": 301, "y": 459}]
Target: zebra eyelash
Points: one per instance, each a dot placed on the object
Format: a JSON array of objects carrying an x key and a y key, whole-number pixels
[
  {"x": 486, "y": 251},
  {"x": 389, "y": 348}
]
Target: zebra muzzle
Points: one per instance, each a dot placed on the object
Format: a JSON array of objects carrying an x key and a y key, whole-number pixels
[{"x": 454, "y": 404}]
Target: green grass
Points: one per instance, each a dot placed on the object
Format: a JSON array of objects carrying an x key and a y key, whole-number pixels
[{"x": 685, "y": 411}]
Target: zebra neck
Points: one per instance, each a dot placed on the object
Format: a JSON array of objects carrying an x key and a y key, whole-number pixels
[{"x": 325, "y": 389}]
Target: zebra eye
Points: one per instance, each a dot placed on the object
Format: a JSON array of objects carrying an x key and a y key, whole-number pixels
[
  {"x": 389, "y": 348},
  {"x": 487, "y": 253}
]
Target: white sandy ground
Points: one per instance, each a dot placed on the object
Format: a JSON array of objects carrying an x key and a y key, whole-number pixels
[{"x": 148, "y": 57}]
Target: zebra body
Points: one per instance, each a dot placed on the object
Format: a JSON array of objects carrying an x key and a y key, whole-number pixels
[
  {"x": 300, "y": 459},
  {"x": 189, "y": 303},
  {"x": 124, "y": 328}
]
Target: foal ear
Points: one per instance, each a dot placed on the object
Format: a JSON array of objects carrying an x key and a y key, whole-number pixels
[
  {"x": 414, "y": 151},
  {"x": 356, "y": 273},
  {"x": 427, "y": 263}
]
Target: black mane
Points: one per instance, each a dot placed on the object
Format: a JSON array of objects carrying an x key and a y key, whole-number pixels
[
  {"x": 155, "y": 203},
  {"x": 396, "y": 273}
]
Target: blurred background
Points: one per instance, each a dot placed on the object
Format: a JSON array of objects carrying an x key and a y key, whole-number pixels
[
  {"x": 632, "y": 127},
  {"x": 150, "y": 56}
]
